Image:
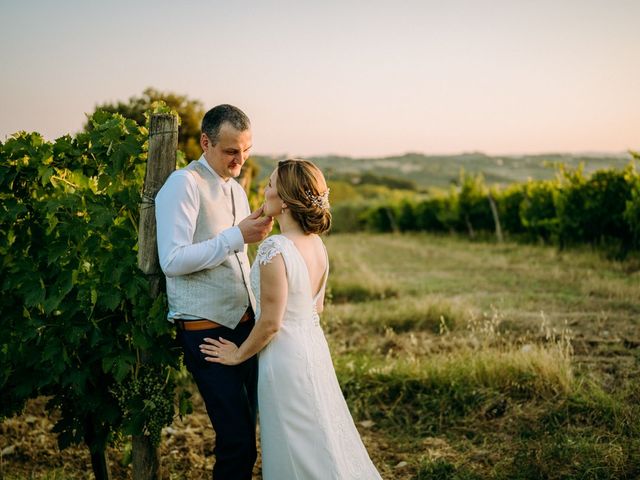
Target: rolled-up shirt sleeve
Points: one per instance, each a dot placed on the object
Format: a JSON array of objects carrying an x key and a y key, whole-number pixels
[{"x": 177, "y": 205}]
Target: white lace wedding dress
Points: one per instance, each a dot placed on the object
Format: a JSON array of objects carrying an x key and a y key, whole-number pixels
[{"x": 306, "y": 430}]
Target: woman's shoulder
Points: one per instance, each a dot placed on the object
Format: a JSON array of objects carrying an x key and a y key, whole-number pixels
[{"x": 270, "y": 247}]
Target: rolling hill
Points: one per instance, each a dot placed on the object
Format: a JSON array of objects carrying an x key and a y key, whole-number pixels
[{"x": 440, "y": 170}]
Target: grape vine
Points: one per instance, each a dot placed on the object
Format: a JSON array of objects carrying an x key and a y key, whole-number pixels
[{"x": 76, "y": 313}]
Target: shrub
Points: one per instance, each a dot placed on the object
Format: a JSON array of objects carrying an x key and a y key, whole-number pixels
[
  {"x": 348, "y": 217},
  {"x": 632, "y": 208},
  {"x": 632, "y": 215},
  {"x": 381, "y": 218},
  {"x": 76, "y": 311},
  {"x": 592, "y": 210},
  {"x": 474, "y": 210},
  {"x": 405, "y": 212},
  {"x": 509, "y": 202},
  {"x": 431, "y": 214},
  {"x": 538, "y": 210}
]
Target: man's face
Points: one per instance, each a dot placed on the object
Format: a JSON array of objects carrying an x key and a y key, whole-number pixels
[{"x": 228, "y": 155}]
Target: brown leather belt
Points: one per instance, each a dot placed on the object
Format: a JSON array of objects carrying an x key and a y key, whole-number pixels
[{"x": 208, "y": 324}]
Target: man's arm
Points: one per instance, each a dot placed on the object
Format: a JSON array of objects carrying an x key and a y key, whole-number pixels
[{"x": 177, "y": 205}]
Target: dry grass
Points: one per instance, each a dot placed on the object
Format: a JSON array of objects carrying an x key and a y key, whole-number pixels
[
  {"x": 482, "y": 344},
  {"x": 521, "y": 281},
  {"x": 459, "y": 360}
]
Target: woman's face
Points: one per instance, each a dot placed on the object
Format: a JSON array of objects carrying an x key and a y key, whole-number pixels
[{"x": 272, "y": 201}]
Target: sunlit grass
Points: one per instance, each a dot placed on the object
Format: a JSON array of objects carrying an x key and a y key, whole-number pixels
[
  {"x": 520, "y": 280},
  {"x": 421, "y": 393},
  {"x": 473, "y": 360},
  {"x": 475, "y": 352},
  {"x": 429, "y": 312}
]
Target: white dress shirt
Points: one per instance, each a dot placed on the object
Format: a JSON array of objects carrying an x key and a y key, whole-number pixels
[{"x": 177, "y": 206}]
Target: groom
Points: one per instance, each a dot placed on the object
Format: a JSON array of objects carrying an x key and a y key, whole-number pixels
[{"x": 204, "y": 223}]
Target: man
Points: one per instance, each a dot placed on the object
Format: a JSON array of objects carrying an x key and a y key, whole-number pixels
[{"x": 202, "y": 250}]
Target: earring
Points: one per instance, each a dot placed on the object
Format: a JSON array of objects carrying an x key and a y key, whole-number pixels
[{"x": 283, "y": 208}]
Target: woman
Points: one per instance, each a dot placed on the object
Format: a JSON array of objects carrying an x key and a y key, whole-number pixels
[{"x": 305, "y": 426}]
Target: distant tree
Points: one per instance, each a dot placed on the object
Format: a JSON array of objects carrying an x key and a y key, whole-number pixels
[
  {"x": 367, "y": 178},
  {"x": 387, "y": 181},
  {"x": 190, "y": 111},
  {"x": 632, "y": 212}
]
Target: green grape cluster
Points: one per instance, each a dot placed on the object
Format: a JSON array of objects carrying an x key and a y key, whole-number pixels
[{"x": 146, "y": 401}]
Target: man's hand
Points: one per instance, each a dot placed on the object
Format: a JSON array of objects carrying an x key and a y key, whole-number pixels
[{"x": 254, "y": 228}]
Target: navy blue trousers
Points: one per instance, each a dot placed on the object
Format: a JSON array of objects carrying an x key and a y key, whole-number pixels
[{"x": 230, "y": 395}]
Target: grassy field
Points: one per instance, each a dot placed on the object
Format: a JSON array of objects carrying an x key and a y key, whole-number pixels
[
  {"x": 477, "y": 360},
  {"x": 459, "y": 360}
]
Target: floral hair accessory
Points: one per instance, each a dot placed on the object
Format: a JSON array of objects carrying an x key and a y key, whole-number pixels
[{"x": 320, "y": 201}]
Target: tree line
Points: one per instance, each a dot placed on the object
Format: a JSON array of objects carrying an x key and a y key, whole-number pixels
[{"x": 602, "y": 208}]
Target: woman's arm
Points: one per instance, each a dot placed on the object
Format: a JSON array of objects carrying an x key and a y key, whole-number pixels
[{"x": 273, "y": 300}]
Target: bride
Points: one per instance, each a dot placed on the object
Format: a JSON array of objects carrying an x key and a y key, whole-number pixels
[{"x": 306, "y": 429}]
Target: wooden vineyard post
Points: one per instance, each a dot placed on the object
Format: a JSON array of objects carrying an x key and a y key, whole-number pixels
[
  {"x": 496, "y": 218},
  {"x": 163, "y": 146}
]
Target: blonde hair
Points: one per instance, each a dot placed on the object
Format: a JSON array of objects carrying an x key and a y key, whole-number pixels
[{"x": 302, "y": 187}]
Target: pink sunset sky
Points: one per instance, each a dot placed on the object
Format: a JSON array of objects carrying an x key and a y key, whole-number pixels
[{"x": 357, "y": 78}]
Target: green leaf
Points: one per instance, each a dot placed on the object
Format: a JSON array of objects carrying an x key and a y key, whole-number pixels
[
  {"x": 185, "y": 406},
  {"x": 35, "y": 295},
  {"x": 107, "y": 364},
  {"x": 122, "y": 369},
  {"x": 45, "y": 173},
  {"x": 110, "y": 298}
]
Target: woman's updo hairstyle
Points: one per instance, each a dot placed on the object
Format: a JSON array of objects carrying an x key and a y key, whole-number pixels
[{"x": 302, "y": 187}]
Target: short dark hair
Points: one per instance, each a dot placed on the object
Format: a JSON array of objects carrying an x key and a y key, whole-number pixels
[{"x": 214, "y": 118}]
